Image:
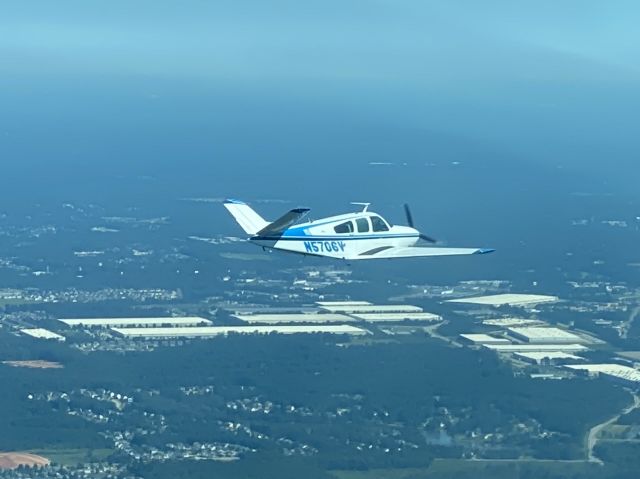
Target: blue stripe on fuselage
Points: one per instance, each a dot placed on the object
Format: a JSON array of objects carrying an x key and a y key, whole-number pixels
[
  {"x": 303, "y": 230},
  {"x": 330, "y": 238},
  {"x": 295, "y": 232}
]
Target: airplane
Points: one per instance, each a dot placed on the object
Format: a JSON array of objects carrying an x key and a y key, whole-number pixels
[{"x": 361, "y": 235}]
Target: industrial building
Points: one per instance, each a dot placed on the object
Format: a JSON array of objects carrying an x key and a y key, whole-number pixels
[
  {"x": 515, "y": 348},
  {"x": 245, "y": 310},
  {"x": 370, "y": 308},
  {"x": 508, "y": 299},
  {"x": 395, "y": 317},
  {"x": 511, "y": 322},
  {"x": 343, "y": 303},
  {"x": 293, "y": 318},
  {"x": 480, "y": 339},
  {"x": 549, "y": 357},
  {"x": 545, "y": 335},
  {"x": 404, "y": 330},
  {"x": 136, "y": 322},
  {"x": 41, "y": 333},
  {"x": 623, "y": 374},
  {"x": 632, "y": 355},
  {"x": 207, "y": 332}
]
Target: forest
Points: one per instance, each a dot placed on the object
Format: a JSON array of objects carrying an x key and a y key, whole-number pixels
[{"x": 326, "y": 393}]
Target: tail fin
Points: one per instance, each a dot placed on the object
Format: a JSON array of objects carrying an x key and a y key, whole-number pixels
[{"x": 250, "y": 221}]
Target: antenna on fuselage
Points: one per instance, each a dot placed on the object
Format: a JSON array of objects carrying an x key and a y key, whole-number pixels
[{"x": 365, "y": 205}]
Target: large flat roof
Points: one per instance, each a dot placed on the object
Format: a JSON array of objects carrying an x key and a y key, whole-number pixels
[
  {"x": 392, "y": 317},
  {"x": 512, "y": 348},
  {"x": 293, "y": 318},
  {"x": 271, "y": 309},
  {"x": 199, "y": 332},
  {"x": 42, "y": 334},
  {"x": 484, "y": 339},
  {"x": 507, "y": 299},
  {"x": 619, "y": 371},
  {"x": 634, "y": 355},
  {"x": 540, "y": 355},
  {"x": 537, "y": 334},
  {"x": 106, "y": 322},
  {"x": 507, "y": 322},
  {"x": 372, "y": 308},
  {"x": 342, "y": 303}
]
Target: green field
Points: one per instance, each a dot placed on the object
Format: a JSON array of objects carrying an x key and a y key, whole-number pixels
[
  {"x": 73, "y": 456},
  {"x": 14, "y": 302},
  {"x": 494, "y": 469}
]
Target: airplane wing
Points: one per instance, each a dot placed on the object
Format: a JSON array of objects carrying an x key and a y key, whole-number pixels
[
  {"x": 417, "y": 251},
  {"x": 285, "y": 221}
]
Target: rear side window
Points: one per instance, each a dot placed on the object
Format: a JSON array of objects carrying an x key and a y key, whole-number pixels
[
  {"x": 363, "y": 225},
  {"x": 346, "y": 227},
  {"x": 378, "y": 224}
]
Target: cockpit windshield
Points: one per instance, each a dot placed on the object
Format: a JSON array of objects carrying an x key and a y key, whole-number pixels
[{"x": 378, "y": 224}]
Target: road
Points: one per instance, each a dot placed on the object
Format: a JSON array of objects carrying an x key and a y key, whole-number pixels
[
  {"x": 592, "y": 436},
  {"x": 626, "y": 326},
  {"x": 433, "y": 332}
]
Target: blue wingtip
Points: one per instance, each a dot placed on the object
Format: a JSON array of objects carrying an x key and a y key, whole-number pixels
[
  {"x": 234, "y": 202},
  {"x": 485, "y": 251}
]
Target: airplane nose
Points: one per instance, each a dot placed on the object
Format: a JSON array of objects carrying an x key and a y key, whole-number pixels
[{"x": 408, "y": 230}]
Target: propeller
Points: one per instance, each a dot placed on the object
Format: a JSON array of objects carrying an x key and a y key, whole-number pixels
[{"x": 407, "y": 213}]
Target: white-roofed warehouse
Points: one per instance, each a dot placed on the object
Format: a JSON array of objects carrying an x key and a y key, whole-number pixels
[
  {"x": 507, "y": 299},
  {"x": 371, "y": 308},
  {"x": 513, "y": 348},
  {"x": 207, "y": 332},
  {"x": 395, "y": 317},
  {"x": 342, "y": 303},
  {"x": 551, "y": 357},
  {"x": 42, "y": 333},
  {"x": 545, "y": 335},
  {"x": 624, "y": 374},
  {"x": 293, "y": 318},
  {"x": 136, "y": 322},
  {"x": 479, "y": 339}
]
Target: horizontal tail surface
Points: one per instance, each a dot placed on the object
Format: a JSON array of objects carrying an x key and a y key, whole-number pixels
[{"x": 285, "y": 221}]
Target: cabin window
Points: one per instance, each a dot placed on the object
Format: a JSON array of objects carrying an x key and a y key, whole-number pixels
[
  {"x": 378, "y": 224},
  {"x": 346, "y": 227},
  {"x": 363, "y": 225}
]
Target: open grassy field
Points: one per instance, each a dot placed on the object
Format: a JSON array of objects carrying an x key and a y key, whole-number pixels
[
  {"x": 73, "y": 456},
  {"x": 34, "y": 364},
  {"x": 14, "y": 302},
  {"x": 495, "y": 469}
]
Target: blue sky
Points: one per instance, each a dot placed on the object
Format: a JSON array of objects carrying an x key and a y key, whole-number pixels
[
  {"x": 365, "y": 40},
  {"x": 142, "y": 102},
  {"x": 545, "y": 81}
]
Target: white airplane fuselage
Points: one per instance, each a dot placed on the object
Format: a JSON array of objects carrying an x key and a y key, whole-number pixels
[
  {"x": 341, "y": 237},
  {"x": 361, "y": 235}
]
